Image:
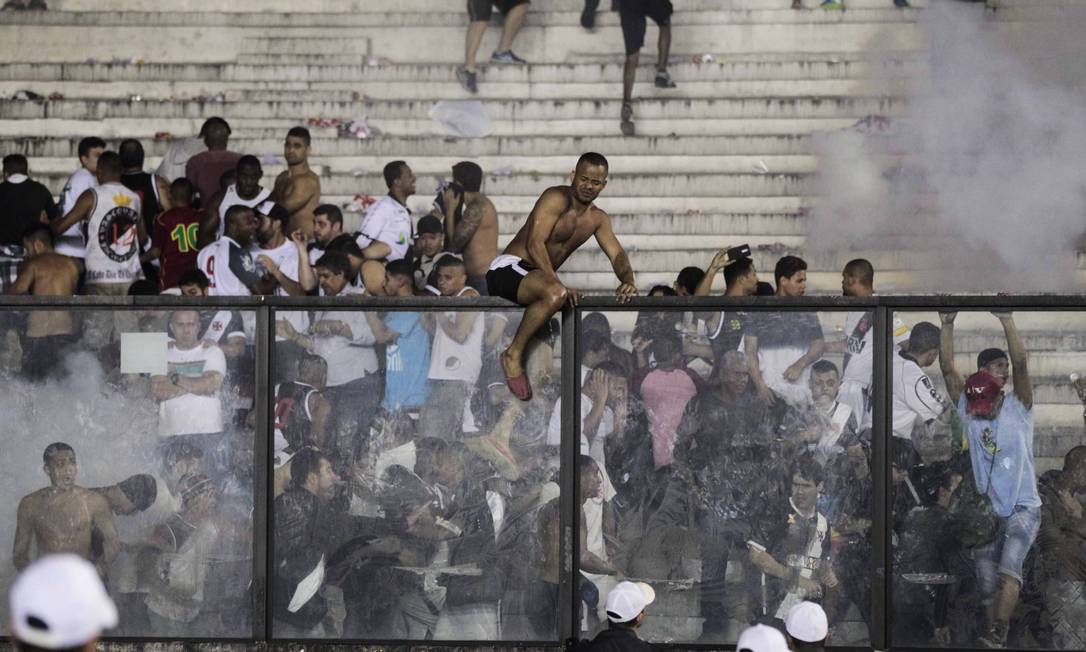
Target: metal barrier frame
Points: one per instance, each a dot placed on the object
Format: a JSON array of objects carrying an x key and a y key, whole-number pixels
[{"x": 884, "y": 308}]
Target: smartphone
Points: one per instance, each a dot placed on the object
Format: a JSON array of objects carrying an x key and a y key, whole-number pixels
[{"x": 742, "y": 251}]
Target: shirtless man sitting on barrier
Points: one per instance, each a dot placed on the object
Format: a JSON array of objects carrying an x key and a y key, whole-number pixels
[{"x": 561, "y": 221}]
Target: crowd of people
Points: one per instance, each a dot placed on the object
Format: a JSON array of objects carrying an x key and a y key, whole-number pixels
[{"x": 725, "y": 456}]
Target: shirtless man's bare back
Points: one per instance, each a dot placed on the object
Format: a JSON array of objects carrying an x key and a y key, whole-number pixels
[
  {"x": 473, "y": 233},
  {"x": 63, "y": 516},
  {"x": 526, "y": 272},
  {"x": 298, "y": 188},
  {"x": 45, "y": 273}
]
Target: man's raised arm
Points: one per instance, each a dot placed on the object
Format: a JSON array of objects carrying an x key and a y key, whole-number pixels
[
  {"x": 620, "y": 262},
  {"x": 1023, "y": 386},
  {"x": 955, "y": 384},
  {"x": 84, "y": 206}
]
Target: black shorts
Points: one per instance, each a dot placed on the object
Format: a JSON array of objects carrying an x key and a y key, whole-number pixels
[
  {"x": 634, "y": 15},
  {"x": 482, "y": 10},
  {"x": 505, "y": 281}
]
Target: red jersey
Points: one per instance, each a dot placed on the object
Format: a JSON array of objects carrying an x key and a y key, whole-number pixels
[{"x": 174, "y": 235}]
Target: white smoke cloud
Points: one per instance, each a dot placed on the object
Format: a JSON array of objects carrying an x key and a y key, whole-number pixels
[{"x": 979, "y": 186}]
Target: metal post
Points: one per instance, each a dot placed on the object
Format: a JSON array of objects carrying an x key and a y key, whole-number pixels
[
  {"x": 262, "y": 478},
  {"x": 882, "y": 429},
  {"x": 568, "y": 595}
]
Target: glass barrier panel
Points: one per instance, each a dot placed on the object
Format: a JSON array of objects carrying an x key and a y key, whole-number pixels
[
  {"x": 726, "y": 463},
  {"x": 403, "y": 462},
  {"x": 129, "y": 442},
  {"x": 988, "y": 536}
]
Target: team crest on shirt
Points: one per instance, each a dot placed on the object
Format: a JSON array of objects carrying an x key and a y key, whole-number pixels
[
  {"x": 117, "y": 230},
  {"x": 248, "y": 264}
]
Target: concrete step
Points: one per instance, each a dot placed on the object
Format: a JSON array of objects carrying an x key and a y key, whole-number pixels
[
  {"x": 678, "y": 109},
  {"x": 416, "y": 38},
  {"x": 554, "y": 168},
  {"x": 474, "y": 148},
  {"x": 530, "y": 185},
  {"x": 647, "y": 128},
  {"x": 733, "y": 66},
  {"x": 449, "y": 89},
  {"x": 386, "y": 6}
]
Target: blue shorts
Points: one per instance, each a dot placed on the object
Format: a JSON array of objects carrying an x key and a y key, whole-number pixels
[{"x": 1007, "y": 552}]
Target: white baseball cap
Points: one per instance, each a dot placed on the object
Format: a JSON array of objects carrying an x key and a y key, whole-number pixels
[
  {"x": 807, "y": 622},
  {"x": 59, "y": 602},
  {"x": 761, "y": 638},
  {"x": 627, "y": 600}
]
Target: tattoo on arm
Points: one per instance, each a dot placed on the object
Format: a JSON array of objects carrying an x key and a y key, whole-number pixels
[{"x": 466, "y": 227}]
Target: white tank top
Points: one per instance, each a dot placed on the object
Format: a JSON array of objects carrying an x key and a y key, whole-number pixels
[
  {"x": 452, "y": 360},
  {"x": 231, "y": 198},
  {"x": 112, "y": 237}
]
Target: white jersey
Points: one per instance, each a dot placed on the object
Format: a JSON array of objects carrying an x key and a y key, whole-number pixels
[
  {"x": 113, "y": 248},
  {"x": 285, "y": 257},
  {"x": 452, "y": 360},
  {"x": 229, "y": 268},
  {"x": 231, "y": 198},
  {"x": 72, "y": 242},
  {"x": 387, "y": 221},
  {"x": 192, "y": 413},
  {"x": 914, "y": 396},
  {"x": 859, "y": 346}
]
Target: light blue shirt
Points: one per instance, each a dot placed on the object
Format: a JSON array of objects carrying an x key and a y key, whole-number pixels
[
  {"x": 407, "y": 361},
  {"x": 1011, "y": 481}
]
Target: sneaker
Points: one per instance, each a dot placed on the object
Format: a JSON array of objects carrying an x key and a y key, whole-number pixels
[
  {"x": 664, "y": 80},
  {"x": 467, "y": 79},
  {"x": 904, "y": 4},
  {"x": 588, "y": 16},
  {"x": 627, "y": 124},
  {"x": 832, "y": 4},
  {"x": 507, "y": 57}
]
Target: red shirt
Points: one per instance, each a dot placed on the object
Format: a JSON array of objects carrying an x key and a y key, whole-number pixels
[
  {"x": 205, "y": 170},
  {"x": 174, "y": 235}
]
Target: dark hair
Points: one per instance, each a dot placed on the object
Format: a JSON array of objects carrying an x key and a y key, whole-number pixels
[
  {"x": 469, "y": 175},
  {"x": 987, "y": 356},
  {"x": 764, "y": 289},
  {"x": 824, "y": 367},
  {"x": 400, "y": 267},
  {"x": 861, "y": 270},
  {"x": 141, "y": 490},
  {"x": 143, "y": 288},
  {"x": 596, "y": 321},
  {"x": 344, "y": 244},
  {"x": 194, "y": 277},
  {"x": 586, "y": 462},
  {"x": 39, "y": 232},
  {"x": 392, "y": 171},
  {"x": 593, "y": 158},
  {"x": 335, "y": 262},
  {"x": 668, "y": 291},
  {"x": 1074, "y": 457},
  {"x": 54, "y": 448},
  {"x": 182, "y": 190},
  {"x": 131, "y": 152},
  {"x": 215, "y": 133},
  {"x": 612, "y": 368},
  {"x": 110, "y": 163},
  {"x": 666, "y": 345},
  {"x": 737, "y": 270},
  {"x": 248, "y": 161},
  {"x": 902, "y": 454},
  {"x": 690, "y": 277},
  {"x": 214, "y": 121},
  {"x": 16, "y": 164},
  {"x": 304, "y": 462},
  {"x": 448, "y": 261},
  {"x": 234, "y": 212},
  {"x": 300, "y": 132},
  {"x": 89, "y": 143},
  {"x": 923, "y": 338},
  {"x": 787, "y": 267},
  {"x": 807, "y": 467},
  {"x": 277, "y": 213},
  {"x": 335, "y": 216}
]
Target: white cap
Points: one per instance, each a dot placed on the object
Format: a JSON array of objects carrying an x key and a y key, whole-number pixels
[
  {"x": 627, "y": 600},
  {"x": 59, "y": 602},
  {"x": 807, "y": 622},
  {"x": 761, "y": 638}
]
